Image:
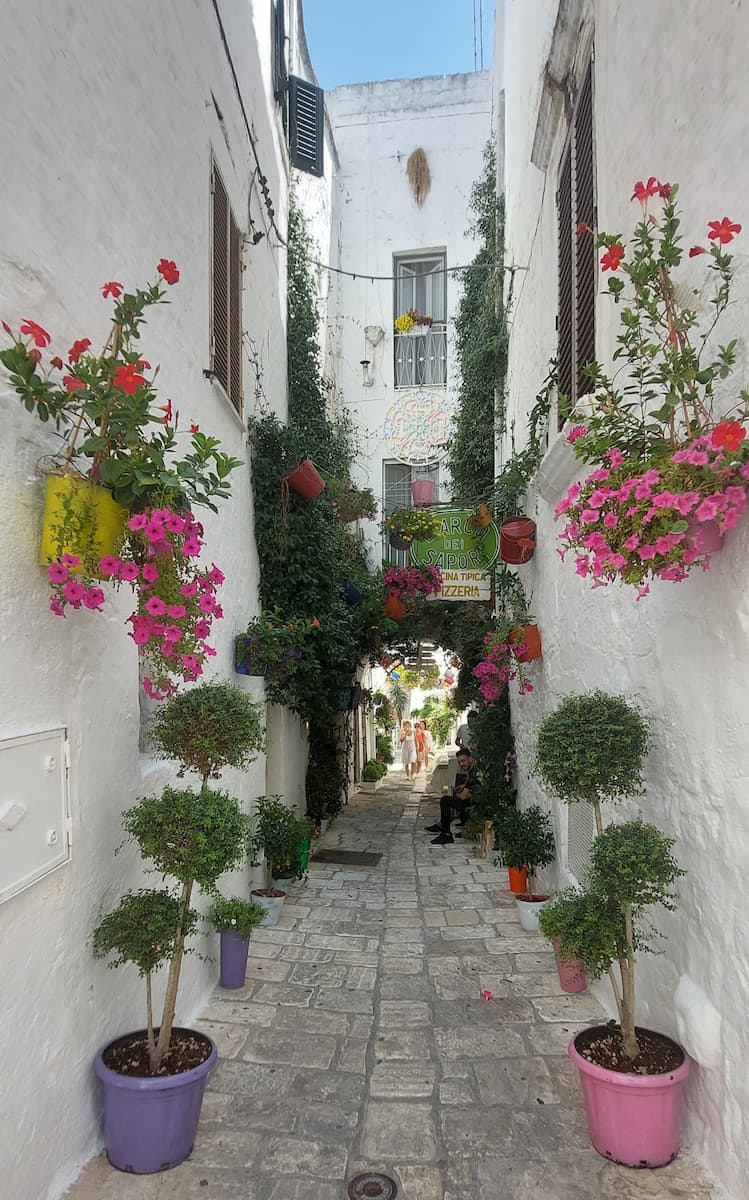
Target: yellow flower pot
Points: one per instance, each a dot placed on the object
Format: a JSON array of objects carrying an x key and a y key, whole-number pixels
[{"x": 92, "y": 507}]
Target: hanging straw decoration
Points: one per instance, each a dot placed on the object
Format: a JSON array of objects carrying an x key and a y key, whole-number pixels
[{"x": 419, "y": 175}]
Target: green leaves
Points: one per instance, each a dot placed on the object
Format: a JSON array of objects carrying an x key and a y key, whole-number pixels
[
  {"x": 526, "y": 839},
  {"x": 208, "y": 728},
  {"x": 142, "y": 930},
  {"x": 192, "y": 836},
  {"x": 235, "y": 915},
  {"x": 592, "y": 748}
]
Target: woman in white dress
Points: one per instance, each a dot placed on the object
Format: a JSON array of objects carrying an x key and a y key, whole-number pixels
[{"x": 408, "y": 749}]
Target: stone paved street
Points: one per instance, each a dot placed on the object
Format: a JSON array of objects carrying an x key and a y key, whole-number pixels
[{"x": 361, "y": 1042}]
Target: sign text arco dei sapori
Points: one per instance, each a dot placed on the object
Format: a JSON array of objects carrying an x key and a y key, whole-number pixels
[{"x": 463, "y": 554}]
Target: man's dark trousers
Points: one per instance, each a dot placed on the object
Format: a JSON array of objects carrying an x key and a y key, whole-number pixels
[{"x": 448, "y": 805}]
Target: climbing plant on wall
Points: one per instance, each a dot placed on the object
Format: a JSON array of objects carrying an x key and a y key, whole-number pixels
[{"x": 481, "y": 343}]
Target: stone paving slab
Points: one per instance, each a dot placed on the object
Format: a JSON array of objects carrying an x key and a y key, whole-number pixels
[{"x": 361, "y": 1042}]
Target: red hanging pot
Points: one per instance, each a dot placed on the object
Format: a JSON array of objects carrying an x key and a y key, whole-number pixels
[
  {"x": 305, "y": 480},
  {"x": 529, "y": 638},
  {"x": 422, "y": 491},
  {"x": 395, "y": 608},
  {"x": 517, "y": 540}
]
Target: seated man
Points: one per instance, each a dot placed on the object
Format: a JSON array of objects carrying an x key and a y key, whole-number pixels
[{"x": 460, "y": 800}]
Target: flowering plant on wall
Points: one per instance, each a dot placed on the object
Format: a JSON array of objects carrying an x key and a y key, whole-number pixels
[
  {"x": 352, "y": 503},
  {"x": 502, "y": 662},
  {"x": 412, "y": 524},
  {"x": 670, "y": 477},
  {"x": 412, "y": 583},
  {"x": 412, "y": 320},
  {"x": 276, "y": 649}
]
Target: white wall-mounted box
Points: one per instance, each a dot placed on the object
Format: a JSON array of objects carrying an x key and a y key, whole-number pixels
[{"x": 34, "y": 815}]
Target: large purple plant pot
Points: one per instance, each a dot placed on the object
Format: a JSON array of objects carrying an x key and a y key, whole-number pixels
[
  {"x": 234, "y": 951},
  {"x": 150, "y": 1123}
]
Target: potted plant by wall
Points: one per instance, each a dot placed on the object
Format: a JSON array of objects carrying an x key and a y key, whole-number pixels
[
  {"x": 507, "y": 648},
  {"x": 372, "y": 776},
  {"x": 234, "y": 920},
  {"x": 279, "y": 834},
  {"x": 305, "y": 479},
  {"x": 154, "y": 1078},
  {"x": 632, "y": 1078},
  {"x": 352, "y": 503},
  {"x": 276, "y": 648},
  {"x": 517, "y": 540},
  {"x": 526, "y": 841},
  {"x": 559, "y": 922},
  {"x": 405, "y": 525}
]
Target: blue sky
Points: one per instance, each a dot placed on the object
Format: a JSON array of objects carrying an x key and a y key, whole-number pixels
[{"x": 355, "y": 41}]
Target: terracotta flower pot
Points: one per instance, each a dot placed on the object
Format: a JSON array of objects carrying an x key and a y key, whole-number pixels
[
  {"x": 529, "y": 638},
  {"x": 305, "y": 480},
  {"x": 518, "y": 880},
  {"x": 422, "y": 491},
  {"x": 395, "y": 608},
  {"x": 517, "y": 540}
]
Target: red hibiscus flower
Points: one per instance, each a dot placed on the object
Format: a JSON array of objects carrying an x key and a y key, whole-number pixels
[
  {"x": 695, "y": 250},
  {"x": 723, "y": 231},
  {"x": 643, "y": 191},
  {"x": 665, "y": 191},
  {"x": 611, "y": 260},
  {"x": 71, "y": 384},
  {"x": 127, "y": 379},
  {"x": 35, "y": 354},
  {"x": 112, "y": 289},
  {"x": 57, "y": 363},
  {"x": 40, "y": 336},
  {"x": 144, "y": 364},
  {"x": 583, "y": 228},
  {"x": 194, "y": 428},
  {"x": 168, "y": 270},
  {"x": 167, "y": 411},
  {"x": 78, "y": 348},
  {"x": 729, "y": 435}
]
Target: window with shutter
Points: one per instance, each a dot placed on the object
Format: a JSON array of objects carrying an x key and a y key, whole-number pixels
[
  {"x": 576, "y": 206},
  {"x": 306, "y": 125},
  {"x": 226, "y": 298},
  {"x": 278, "y": 28}
]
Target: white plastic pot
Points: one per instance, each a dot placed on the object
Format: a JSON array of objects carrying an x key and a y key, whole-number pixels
[
  {"x": 272, "y": 906},
  {"x": 528, "y": 910}
]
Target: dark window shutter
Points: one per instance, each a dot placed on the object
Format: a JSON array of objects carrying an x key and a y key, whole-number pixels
[
  {"x": 278, "y": 26},
  {"x": 226, "y": 298},
  {"x": 586, "y": 266},
  {"x": 578, "y": 266},
  {"x": 306, "y": 125},
  {"x": 220, "y": 265},
  {"x": 565, "y": 322}
]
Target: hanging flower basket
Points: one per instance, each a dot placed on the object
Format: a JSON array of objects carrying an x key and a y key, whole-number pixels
[
  {"x": 422, "y": 491},
  {"x": 305, "y": 480},
  {"x": 526, "y": 643},
  {"x": 80, "y": 519},
  {"x": 398, "y": 542},
  {"x": 517, "y": 540},
  {"x": 411, "y": 524},
  {"x": 351, "y": 593},
  {"x": 395, "y": 608}
]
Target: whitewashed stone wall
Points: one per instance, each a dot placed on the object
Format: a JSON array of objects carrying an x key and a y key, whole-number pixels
[
  {"x": 668, "y": 102},
  {"x": 376, "y": 127},
  {"x": 107, "y": 161}
]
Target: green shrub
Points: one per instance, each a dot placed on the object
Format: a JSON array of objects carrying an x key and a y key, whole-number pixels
[
  {"x": 526, "y": 839},
  {"x": 385, "y": 749},
  {"x": 210, "y": 727},
  {"x": 235, "y": 915},
  {"x": 279, "y": 834},
  {"x": 371, "y": 772}
]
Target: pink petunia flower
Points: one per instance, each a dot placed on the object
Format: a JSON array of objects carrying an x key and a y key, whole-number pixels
[
  {"x": 175, "y": 523},
  {"x": 149, "y": 573},
  {"x": 57, "y": 573},
  {"x": 138, "y": 522},
  {"x": 94, "y": 598},
  {"x": 191, "y": 547},
  {"x": 155, "y": 607},
  {"x": 56, "y": 606},
  {"x": 70, "y": 560},
  {"x": 129, "y": 571},
  {"x": 176, "y": 611}
]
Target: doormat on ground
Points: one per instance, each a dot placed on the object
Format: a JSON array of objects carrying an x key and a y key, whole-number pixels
[{"x": 348, "y": 858}]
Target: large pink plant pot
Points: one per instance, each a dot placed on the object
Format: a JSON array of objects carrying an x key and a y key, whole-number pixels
[{"x": 634, "y": 1120}]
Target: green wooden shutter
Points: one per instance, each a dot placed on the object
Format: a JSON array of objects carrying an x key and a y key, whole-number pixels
[
  {"x": 278, "y": 26},
  {"x": 306, "y": 125}
]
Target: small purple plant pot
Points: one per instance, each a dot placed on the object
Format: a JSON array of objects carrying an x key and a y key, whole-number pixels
[
  {"x": 234, "y": 951},
  {"x": 150, "y": 1122}
]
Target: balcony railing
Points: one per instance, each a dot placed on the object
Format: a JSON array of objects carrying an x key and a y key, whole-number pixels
[{"x": 421, "y": 357}]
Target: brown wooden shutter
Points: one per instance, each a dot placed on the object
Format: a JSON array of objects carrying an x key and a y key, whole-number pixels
[
  {"x": 565, "y": 322},
  {"x": 226, "y": 298},
  {"x": 586, "y": 266}
]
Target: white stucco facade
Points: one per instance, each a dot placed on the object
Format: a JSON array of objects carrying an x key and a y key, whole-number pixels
[
  {"x": 117, "y": 113},
  {"x": 376, "y": 127},
  {"x": 682, "y": 652}
]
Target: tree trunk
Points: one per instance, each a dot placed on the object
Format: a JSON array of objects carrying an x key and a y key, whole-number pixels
[
  {"x": 627, "y": 967},
  {"x": 149, "y": 1012},
  {"x": 172, "y": 983}
]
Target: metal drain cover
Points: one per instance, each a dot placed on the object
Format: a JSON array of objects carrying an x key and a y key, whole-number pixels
[{"x": 372, "y": 1186}]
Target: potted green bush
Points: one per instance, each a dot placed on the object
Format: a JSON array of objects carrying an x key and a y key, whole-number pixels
[
  {"x": 280, "y": 835},
  {"x": 559, "y": 923},
  {"x": 234, "y": 920},
  {"x": 154, "y": 1079},
  {"x": 526, "y": 840},
  {"x": 592, "y": 748},
  {"x": 385, "y": 749},
  {"x": 372, "y": 776}
]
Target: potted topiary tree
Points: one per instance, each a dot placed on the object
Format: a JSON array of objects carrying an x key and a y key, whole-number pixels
[
  {"x": 280, "y": 835},
  {"x": 154, "y": 1079},
  {"x": 372, "y": 776},
  {"x": 526, "y": 842},
  {"x": 234, "y": 920},
  {"x": 632, "y": 1078},
  {"x": 592, "y": 748},
  {"x": 558, "y": 923}
]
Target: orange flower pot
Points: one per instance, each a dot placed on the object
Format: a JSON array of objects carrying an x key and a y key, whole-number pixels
[
  {"x": 305, "y": 480},
  {"x": 517, "y": 540},
  {"x": 518, "y": 880},
  {"x": 529, "y": 637},
  {"x": 395, "y": 608}
]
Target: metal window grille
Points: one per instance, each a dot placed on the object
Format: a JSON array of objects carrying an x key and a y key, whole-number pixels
[
  {"x": 397, "y": 478},
  {"x": 581, "y": 828},
  {"x": 420, "y": 356},
  {"x": 226, "y": 299},
  {"x": 577, "y": 275}
]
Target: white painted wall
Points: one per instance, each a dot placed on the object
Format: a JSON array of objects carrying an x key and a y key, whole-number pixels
[
  {"x": 107, "y": 168},
  {"x": 682, "y": 652},
  {"x": 376, "y": 127}
]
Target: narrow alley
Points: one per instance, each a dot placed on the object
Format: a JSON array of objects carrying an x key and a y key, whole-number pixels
[{"x": 362, "y": 1043}]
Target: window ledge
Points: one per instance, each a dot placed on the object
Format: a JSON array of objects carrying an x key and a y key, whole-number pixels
[
  {"x": 559, "y": 467},
  {"x": 220, "y": 390}
]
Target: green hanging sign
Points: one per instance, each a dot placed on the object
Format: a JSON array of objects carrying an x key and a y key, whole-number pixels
[{"x": 463, "y": 553}]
